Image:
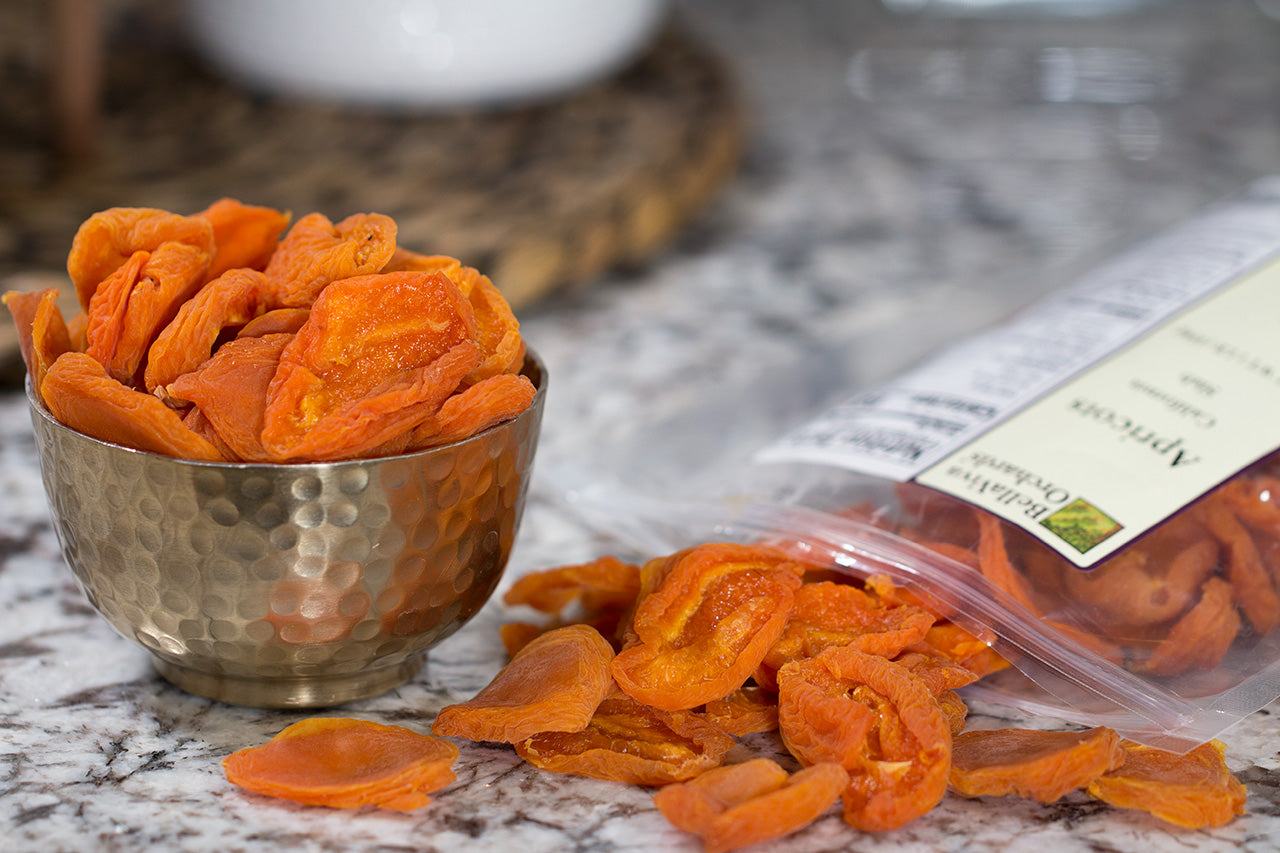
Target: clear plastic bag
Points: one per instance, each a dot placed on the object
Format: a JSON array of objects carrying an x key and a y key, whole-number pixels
[{"x": 1169, "y": 638}]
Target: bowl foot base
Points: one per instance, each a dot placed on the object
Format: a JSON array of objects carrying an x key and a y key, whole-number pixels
[{"x": 319, "y": 691}]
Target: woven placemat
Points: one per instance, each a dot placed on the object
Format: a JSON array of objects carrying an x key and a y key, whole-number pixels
[{"x": 540, "y": 198}]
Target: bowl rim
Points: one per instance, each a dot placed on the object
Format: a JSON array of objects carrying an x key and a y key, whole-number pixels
[{"x": 534, "y": 368}]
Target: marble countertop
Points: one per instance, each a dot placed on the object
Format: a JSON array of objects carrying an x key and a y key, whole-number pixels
[{"x": 908, "y": 179}]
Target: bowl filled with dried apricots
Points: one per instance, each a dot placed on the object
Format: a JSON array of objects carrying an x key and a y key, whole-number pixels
[{"x": 286, "y": 456}]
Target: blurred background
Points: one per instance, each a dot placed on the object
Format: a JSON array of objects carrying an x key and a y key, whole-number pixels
[{"x": 887, "y": 173}]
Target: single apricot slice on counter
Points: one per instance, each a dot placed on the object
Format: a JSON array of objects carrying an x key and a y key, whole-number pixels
[{"x": 346, "y": 763}]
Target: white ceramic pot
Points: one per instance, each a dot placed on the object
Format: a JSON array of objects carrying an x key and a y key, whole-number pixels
[{"x": 421, "y": 53}]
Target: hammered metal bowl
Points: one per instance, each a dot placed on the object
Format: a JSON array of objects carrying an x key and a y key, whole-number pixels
[{"x": 289, "y": 586}]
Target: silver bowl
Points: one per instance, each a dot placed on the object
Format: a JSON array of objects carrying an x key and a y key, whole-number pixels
[{"x": 289, "y": 586}]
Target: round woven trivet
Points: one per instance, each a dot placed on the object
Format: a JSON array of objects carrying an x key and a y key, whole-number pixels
[{"x": 539, "y": 198}]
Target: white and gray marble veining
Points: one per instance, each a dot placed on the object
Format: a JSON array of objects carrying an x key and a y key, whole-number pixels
[{"x": 907, "y": 180}]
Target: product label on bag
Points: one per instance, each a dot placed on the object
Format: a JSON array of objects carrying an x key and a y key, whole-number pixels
[{"x": 1101, "y": 411}]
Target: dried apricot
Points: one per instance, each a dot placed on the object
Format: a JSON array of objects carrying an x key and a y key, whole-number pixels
[
  {"x": 955, "y": 643},
  {"x": 994, "y": 562},
  {"x": 244, "y": 236},
  {"x": 347, "y": 383},
  {"x": 817, "y": 719},
  {"x": 753, "y": 801},
  {"x": 627, "y": 741},
  {"x": 552, "y": 684},
  {"x": 598, "y": 584},
  {"x": 939, "y": 673},
  {"x": 407, "y": 260},
  {"x": 1255, "y": 592},
  {"x": 898, "y": 765},
  {"x": 80, "y": 394},
  {"x": 42, "y": 331},
  {"x": 1144, "y": 587},
  {"x": 1201, "y": 638},
  {"x": 108, "y": 238},
  {"x": 170, "y": 275},
  {"x": 1255, "y": 500},
  {"x": 497, "y": 329},
  {"x": 473, "y": 410},
  {"x": 707, "y": 625},
  {"x": 230, "y": 300},
  {"x": 747, "y": 710},
  {"x": 954, "y": 709},
  {"x": 274, "y": 322},
  {"x": 105, "y": 314},
  {"x": 1193, "y": 790},
  {"x": 828, "y": 614},
  {"x": 516, "y": 635},
  {"x": 346, "y": 763},
  {"x": 230, "y": 391},
  {"x": 1040, "y": 765},
  {"x": 316, "y": 252}
]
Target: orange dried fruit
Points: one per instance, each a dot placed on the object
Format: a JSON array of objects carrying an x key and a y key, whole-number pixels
[
  {"x": 497, "y": 329},
  {"x": 1255, "y": 500},
  {"x": 829, "y": 614},
  {"x": 104, "y": 322},
  {"x": 627, "y": 741},
  {"x": 747, "y": 710},
  {"x": 955, "y": 643},
  {"x": 954, "y": 709},
  {"x": 597, "y": 584},
  {"x": 346, "y": 763},
  {"x": 407, "y": 260},
  {"x": 1201, "y": 638},
  {"x": 1254, "y": 590},
  {"x": 230, "y": 300},
  {"x": 939, "y": 673},
  {"x": 695, "y": 805},
  {"x": 274, "y": 322},
  {"x": 140, "y": 306},
  {"x": 1150, "y": 583},
  {"x": 817, "y": 719},
  {"x": 316, "y": 252},
  {"x": 473, "y": 410},
  {"x": 516, "y": 635},
  {"x": 707, "y": 625},
  {"x": 199, "y": 424},
  {"x": 378, "y": 354},
  {"x": 107, "y": 239},
  {"x": 897, "y": 744},
  {"x": 230, "y": 391},
  {"x": 994, "y": 562},
  {"x": 79, "y": 393},
  {"x": 553, "y": 684},
  {"x": 756, "y": 800},
  {"x": 1040, "y": 765},
  {"x": 396, "y": 356},
  {"x": 42, "y": 331},
  {"x": 1193, "y": 790},
  {"x": 244, "y": 236}
]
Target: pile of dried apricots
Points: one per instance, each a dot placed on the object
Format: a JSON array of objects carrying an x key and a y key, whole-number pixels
[
  {"x": 237, "y": 334},
  {"x": 650, "y": 674},
  {"x": 1169, "y": 604}
]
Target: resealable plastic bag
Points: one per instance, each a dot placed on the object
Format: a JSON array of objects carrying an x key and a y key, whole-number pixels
[{"x": 1090, "y": 487}]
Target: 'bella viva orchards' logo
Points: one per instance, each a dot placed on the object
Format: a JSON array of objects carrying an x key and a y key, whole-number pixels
[{"x": 1081, "y": 525}]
